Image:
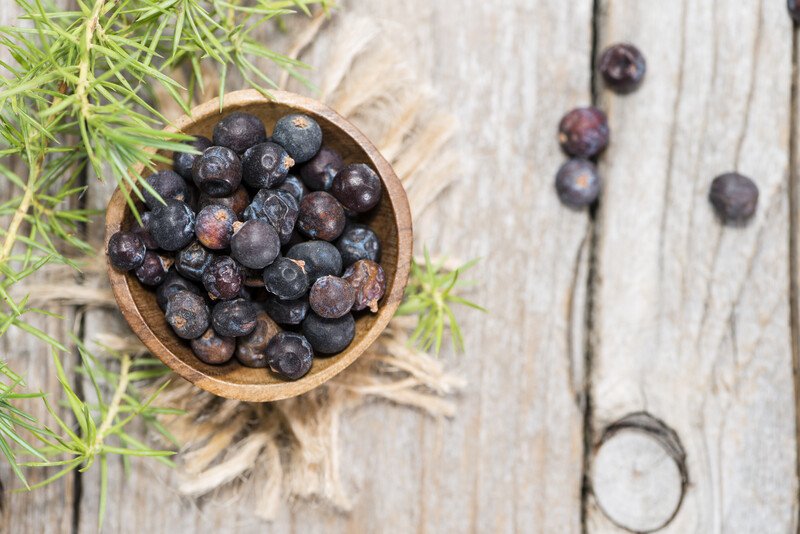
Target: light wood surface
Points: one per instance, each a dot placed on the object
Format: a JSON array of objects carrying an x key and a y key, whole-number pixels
[{"x": 649, "y": 306}]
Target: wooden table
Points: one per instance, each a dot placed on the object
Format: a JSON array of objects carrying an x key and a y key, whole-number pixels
[{"x": 636, "y": 359}]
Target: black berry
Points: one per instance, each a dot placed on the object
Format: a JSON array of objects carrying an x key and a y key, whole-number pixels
[
  {"x": 218, "y": 172},
  {"x": 234, "y": 318},
  {"x": 172, "y": 284},
  {"x": 251, "y": 350},
  {"x": 623, "y": 67},
  {"x": 265, "y": 165},
  {"x": 278, "y": 207},
  {"x": 286, "y": 279},
  {"x": 213, "y": 349},
  {"x": 143, "y": 230},
  {"x": 331, "y": 297},
  {"x": 255, "y": 244},
  {"x": 358, "y": 242},
  {"x": 578, "y": 183},
  {"x": 369, "y": 281},
  {"x": 172, "y": 225},
  {"x": 187, "y": 314},
  {"x": 214, "y": 226},
  {"x": 734, "y": 197},
  {"x": 321, "y": 216},
  {"x": 289, "y": 355},
  {"x": 357, "y": 187},
  {"x": 239, "y": 131},
  {"x": 329, "y": 336},
  {"x": 126, "y": 251},
  {"x": 169, "y": 185},
  {"x": 286, "y": 312},
  {"x": 153, "y": 270},
  {"x": 319, "y": 258},
  {"x": 295, "y": 187},
  {"x": 583, "y": 132},
  {"x": 223, "y": 279},
  {"x": 319, "y": 172},
  {"x": 237, "y": 202},
  {"x": 192, "y": 261},
  {"x": 300, "y": 135},
  {"x": 182, "y": 162}
]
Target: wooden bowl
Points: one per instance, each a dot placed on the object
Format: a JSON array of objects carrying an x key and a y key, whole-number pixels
[{"x": 391, "y": 220}]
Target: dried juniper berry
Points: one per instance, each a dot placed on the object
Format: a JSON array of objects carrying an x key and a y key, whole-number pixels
[
  {"x": 265, "y": 165},
  {"x": 331, "y": 297},
  {"x": 286, "y": 312},
  {"x": 126, "y": 251},
  {"x": 321, "y": 216},
  {"x": 286, "y": 279},
  {"x": 251, "y": 350},
  {"x": 289, "y": 355},
  {"x": 329, "y": 336},
  {"x": 357, "y": 187},
  {"x": 182, "y": 162},
  {"x": 278, "y": 207},
  {"x": 295, "y": 187},
  {"x": 223, "y": 279},
  {"x": 734, "y": 197},
  {"x": 319, "y": 258},
  {"x": 299, "y": 134},
  {"x": 172, "y": 225},
  {"x": 369, "y": 281},
  {"x": 234, "y": 318},
  {"x": 319, "y": 172},
  {"x": 623, "y": 67},
  {"x": 583, "y": 132},
  {"x": 255, "y": 244},
  {"x": 169, "y": 185},
  {"x": 237, "y": 202},
  {"x": 143, "y": 230},
  {"x": 578, "y": 183},
  {"x": 358, "y": 242},
  {"x": 214, "y": 226},
  {"x": 153, "y": 269},
  {"x": 239, "y": 131},
  {"x": 173, "y": 283},
  {"x": 794, "y": 10},
  {"x": 187, "y": 314},
  {"x": 192, "y": 261},
  {"x": 213, "y": 349},
  {"x": 218, "y": 172}
]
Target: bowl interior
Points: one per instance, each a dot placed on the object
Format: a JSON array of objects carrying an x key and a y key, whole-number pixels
[{"x": 233, "y": 380}]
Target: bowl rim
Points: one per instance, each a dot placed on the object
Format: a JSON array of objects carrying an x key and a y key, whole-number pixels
[{"x": 117, "y": 208}]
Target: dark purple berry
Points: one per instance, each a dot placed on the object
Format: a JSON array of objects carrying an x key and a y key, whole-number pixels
[
  {"x": 286, "y": 279},
  {"x": 182, "y": 162},
  {"x": 237, "y": 202},
  {"x": 143, "y": 231},
  {"x": 153, "y": 270},
  {"x": 357, "y": 187},
  {"x": 251, "y": 350},
  {"x": 212, "y": 348},
  {"x": 331, "y": 297},
  {"x": 289, "y": 355},
  {"x": 358, "y": 242},
  {"x": 169, "y": 185},
  {"x": 192, "y": 261},
  {"x": 173, "y": 283},
  {"x": 214, "y": 226},
  {"x": 218, "y": 172},
  {"x": 239, "y": 131},
  {"x": 578, "y": 183},
  {"x": 369, "y": 281},
  {"x": 734, "y": 197},
  {"x": 265, "y": 165},
  {"x": 278, "y": 207},
  {"x": 319, "y": 258},
  {"x": 329, "y": 336},
  {"x": 234, "y": 318},
  {"x": 287, "y": 312},
  {"x": 255, "y": 244},
  {"x": 583, "y": 132},
  {"x": 623, "y": 67},
  {"x": 295, "y": 187},
  {"x": 172, "y": 225},
  {"x": 126, "y": 251},
  {"x": 319, "y": 172},
  {"x": 321, "y": 216},
  {"x": 300, "y": 135},
  {"x": 187, "y": 314},
  {"x": 223, "y": 279}
]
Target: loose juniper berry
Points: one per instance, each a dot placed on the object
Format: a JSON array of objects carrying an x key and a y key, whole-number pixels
[
  {"x": 299, "y": 134},
  {"x": 234, "y": 318},
  {"x": 239, "y": 131},
  {"x": 172, "y": 225},
  {"x": 265, "y": 165},
  {"x": 290, "y": 355},
  {"x": 319, "y": 258},
  {"x": 187, "y": 314},
  {"x": 223, "y": 278},
  {"x": 213, "y": 349},
  {"x": 329, "y": 336},
  {"x": 169, "y": 185},
  {"x": 321, "y": 216},
  {"x": 192, "y": 261},
  {"x": 218, "y": 172},
  {"x": 153, "y": 270},
  {"x": 369, "y": 281},
  {"x": 278, "y": 207},
  {"x": 173, "y": 282},
  {"x": 182, "y": 162},
  {"x": 251, "y": 350},
  {"x": 319, "y": 172},
  {"x": 286, "y": 279},
  {"x": 331, "y": 297},
  {"x": 358, "y": 242},
  {"x": 734, "y": 197},
  {"x": 584, "y": 132},
  {"x": 578, "y": 183},
  {"x": 214, "y": 226},
  {"x": 357, "y": 187},
  {"x": 255, "y": 244},
  {"x": 126, "y": 251},
  {"x": 286, "y": 312}
]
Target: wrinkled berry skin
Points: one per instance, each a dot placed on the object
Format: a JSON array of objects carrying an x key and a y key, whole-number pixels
[
  {"x": 255, "y": 244},
  {"x": 142, "y": 230},
  {"x": 278, "y": 207},
  {"x": 321, "y": 216},
  {"x": 331, "y": 297},
  {"x": 214, "y": 226},
  {"x": 223, "y": 279},
  {"x": 295, "y": 187},
  {"x": 169, "y": 185},
  {"x": 369, "y": 281},
  {"x": 286, "y": 312},
  {"x": 265, "y": 165},
  {"x": 578, "y": 183},
  {"x": 212, "y": 348},
  {"x": 187, "y": 314},
  {"x": 218, "y": 172},
  {"x": 193, "y": 260},
  {"x": 172, "y": 225},
  {"x": 319, "y": 258},
  {"x": 319, "y": 172},
  {"x": 584, "y": 132},
  {"x": 234, "y": 318},
  {"x": 182, "y": 162},
  {"x": 286, "y": 279},
  {"x": 357, "y": 187},
  {"x": 153, "y": 269},
  {"x": 623, "y": 67},
  {"x": 251, "y": 350},
  {"x": 734, "y": 197},
  {"x": 172, "y": 284},
  {"x": 358, "y": 242},
  {"x": 329, "y": 336},
  {"x": 126, "y": 251},
  {"x": 299, "y": 134},
  {"x": 237, "y": 202},
  {"x": 239, "y": 131},
  {"x": 289, "y": 355}
]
